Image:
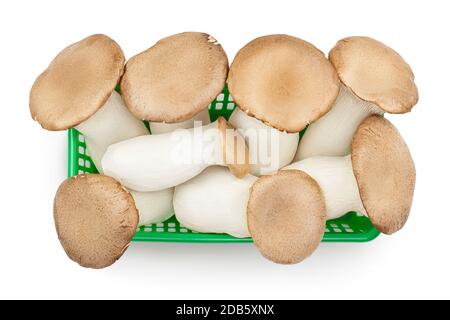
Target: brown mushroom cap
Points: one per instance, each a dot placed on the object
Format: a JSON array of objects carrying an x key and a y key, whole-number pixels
[
  {"x": 95, "y": 219},
  {"x": 283, "y": 81},
  {"x": 286, "y": 216},
  {"x": 77, "y": 83},
  {"x": 375, "y": 73},
  {"x": 234, "y": 149},
  {"x": 385, "y": 173},
  {"x": 176, "y": 78}
]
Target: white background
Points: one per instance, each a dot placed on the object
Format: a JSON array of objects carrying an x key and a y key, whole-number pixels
[{"x": 414, "y": 263}]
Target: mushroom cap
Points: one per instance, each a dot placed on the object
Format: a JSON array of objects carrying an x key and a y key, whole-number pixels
[
  {"x": 283, "y": 81},
  {"x": 234, "y": 149},
  {"x": 176, "y": 78},
  {"x": 77, "y": 83},
  {"x": 286, "y": 216},
  {"x": 375, "y": 73},
  {"x": 385, "y": 173},
  {"x": 95, "y": 219}
]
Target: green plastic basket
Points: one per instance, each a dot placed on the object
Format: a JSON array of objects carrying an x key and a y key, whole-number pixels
[{"x": 350, "y": 228}]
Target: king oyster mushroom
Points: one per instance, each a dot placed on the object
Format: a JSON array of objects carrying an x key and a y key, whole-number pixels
[
  {"x": 95, "y": 219},
  {"x": 280, "y": 84},
  {"x": 375, "y": 79},
  {"x": 377, "y": 179},
  {"x": 284, "y": 212},
  {"x": 156, "y": 162},
  {"x": 172, "y": 83},
  {"x": 77, "y": 91},
  {"x": 286, "y": 216}
]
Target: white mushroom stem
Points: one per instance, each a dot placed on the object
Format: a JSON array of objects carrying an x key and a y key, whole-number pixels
[
  {"x": 332, "y": 134},
  {"x": 154, "y": 207},
  {"x": 214, "y": 202},
  {"x": 156, "y": 162},
  {"x": 161, "y": 127},
  {"x": 335, "y": 177},
  {"x": 269, "y": 148},
  {"x": 114, "y": 123}
]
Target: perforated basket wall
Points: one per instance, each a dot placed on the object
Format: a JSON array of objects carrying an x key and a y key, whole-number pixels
[{"x": 350, "y": 228}]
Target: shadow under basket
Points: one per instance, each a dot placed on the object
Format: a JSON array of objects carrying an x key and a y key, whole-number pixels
[{"x": 352, "y": 227}]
